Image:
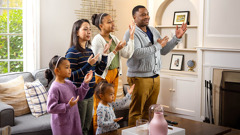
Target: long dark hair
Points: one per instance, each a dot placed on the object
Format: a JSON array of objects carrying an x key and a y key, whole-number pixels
[
  {"x": 101, "y": 88},
  {"x": 97, "y": 19},
  {"x": 49, "y": 73},
  {"x": 74, "y": 37}
]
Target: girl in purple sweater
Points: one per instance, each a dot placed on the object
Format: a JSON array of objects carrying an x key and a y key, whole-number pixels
[{"x": 65, "y": 119}]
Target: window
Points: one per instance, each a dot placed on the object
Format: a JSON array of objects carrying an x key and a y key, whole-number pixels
[{"x": 11, "y": 36}]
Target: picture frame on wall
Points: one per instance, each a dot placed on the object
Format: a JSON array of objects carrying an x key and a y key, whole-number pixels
[
  {"x": 176, "y": 62},
  {"x": 181, "y": 17}
]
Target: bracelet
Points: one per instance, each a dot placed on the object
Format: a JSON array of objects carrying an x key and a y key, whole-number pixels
[{"x": 115, "y": 52}]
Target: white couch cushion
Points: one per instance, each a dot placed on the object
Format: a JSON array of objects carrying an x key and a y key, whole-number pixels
[{"x": 37, "y": 97}]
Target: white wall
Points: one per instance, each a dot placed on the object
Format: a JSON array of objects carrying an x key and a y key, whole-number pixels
[
  {"x": 124, "y": 18},
  {"x": 56, "y": 18},
  {"x": 221, "y": 24},
  {"x": 124, "y": 14}
]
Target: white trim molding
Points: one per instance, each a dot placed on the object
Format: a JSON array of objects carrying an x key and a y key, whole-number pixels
[
  {"x": 219, "y": 49},
  {"x": 208, "y": 18},
  {"x": 218, "y": 33},
  {"x": 31, "y": 32}
]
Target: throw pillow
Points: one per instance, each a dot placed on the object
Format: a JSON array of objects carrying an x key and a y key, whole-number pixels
[
  {"x": 12, "y": 93},
  {"x": 37, "y": 97}
]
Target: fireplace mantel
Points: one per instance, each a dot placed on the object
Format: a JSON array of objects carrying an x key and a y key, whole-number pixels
[
  {"x": 216, "y": 58},
  {"x": 218, "y": 49}
]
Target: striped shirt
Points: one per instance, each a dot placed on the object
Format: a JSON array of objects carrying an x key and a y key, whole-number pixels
[{"x": 80, "y": 67}]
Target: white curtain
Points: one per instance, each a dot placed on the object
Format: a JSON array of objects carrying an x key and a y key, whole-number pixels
[{"x": 31, "y": 34}]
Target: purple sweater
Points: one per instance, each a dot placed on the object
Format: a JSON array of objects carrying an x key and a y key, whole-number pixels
[{"x": 65, "y": 120}]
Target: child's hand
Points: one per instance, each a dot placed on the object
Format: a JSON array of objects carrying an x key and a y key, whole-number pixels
[
  {"x": 131, "y": 89},
  {"x": 107, "y": 46},
  {"x": 72, "y": 103},
  {"x": 132, "y": 30},
  {"x": 117, "y": 119},
  {"x": 88, "y": 77},
  {"x": 92, "y": 60}
]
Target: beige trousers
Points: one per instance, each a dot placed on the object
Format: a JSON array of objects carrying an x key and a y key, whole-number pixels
[{"x": 144, "y": 95}]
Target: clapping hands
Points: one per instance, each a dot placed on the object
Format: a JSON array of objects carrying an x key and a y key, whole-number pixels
[
  {"x": 179, "y": 32},
  {"x": 132, "y": 30},
  {"x": 117, "y": 119},
  {"x": 107, "y": 46},
  {"x": 72, "y": 103},
  {"x": 130, "y": 92},
  {"x": 88, "y": 77},
  {"x": 163, "y": 42},
  {"x": 92, "y": 60},
  {"x": 120, "y": 46}
]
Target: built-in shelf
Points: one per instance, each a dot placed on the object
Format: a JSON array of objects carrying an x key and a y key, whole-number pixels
[
  {"x": 174, "y": 26},
  {"x": 185, "y": 50},
  {"x": 179, "y": 73}
]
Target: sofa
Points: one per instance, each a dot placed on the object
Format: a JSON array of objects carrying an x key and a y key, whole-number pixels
[
  {"x": 25, "y": 124},
  {"x": 28, "y": 124},
  {"x": 124, "y": 111}
]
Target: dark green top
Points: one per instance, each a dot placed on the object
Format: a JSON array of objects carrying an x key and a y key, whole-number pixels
[{"x": 115, "y": 62}]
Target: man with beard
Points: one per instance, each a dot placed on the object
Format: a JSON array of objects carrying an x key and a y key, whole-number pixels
[{"x": 145, "y": 63}]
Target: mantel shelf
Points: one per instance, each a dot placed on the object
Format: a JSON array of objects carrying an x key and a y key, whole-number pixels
[
  {"x": 185, "y": 50},
  {"x": 218, "y": 49},
  {"x": 174, "y": 26},
  {"x": 173, "y": 72}
]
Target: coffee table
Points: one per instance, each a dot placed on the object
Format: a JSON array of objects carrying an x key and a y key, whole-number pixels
[{"x": 191, "y": 127}]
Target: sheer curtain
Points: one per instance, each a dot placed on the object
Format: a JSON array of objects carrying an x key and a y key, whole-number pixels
[{"x": 31, "y": 34}]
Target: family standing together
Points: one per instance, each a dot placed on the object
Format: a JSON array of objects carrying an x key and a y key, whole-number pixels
[{"x": 86, "y": 79}]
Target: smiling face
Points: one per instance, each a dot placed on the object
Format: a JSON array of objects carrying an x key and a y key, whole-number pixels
[
  {"x": 107, "y": 24},
  {"x": 141, "y": 17},
  {"x": 64, "y": 69},
  {"x": 84, "y": 32}
]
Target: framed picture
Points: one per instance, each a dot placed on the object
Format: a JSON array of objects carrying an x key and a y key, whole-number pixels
[
  {"x": 180, "y": 17},
  {"x": 176, "y": 62}
]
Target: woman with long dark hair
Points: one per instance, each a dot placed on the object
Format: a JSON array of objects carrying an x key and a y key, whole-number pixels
[{"x": 82, "y": 60}]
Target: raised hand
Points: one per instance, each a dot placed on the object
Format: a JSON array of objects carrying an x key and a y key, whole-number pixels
[
  {"x": 92, "y": 60},
  {"x": 179, "y": 32},
  {"x": 107, "y": 46},
  {"x": 131, "y": 89},
  {"x": 117, "y": 119},
  {"x": 120, "y": 46},
  {"x": 163, "y": 42},
  {"x": 72, "y": 103},
  {"x": 88, "y": 77},
  {"x": 132, "y": 30}
]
